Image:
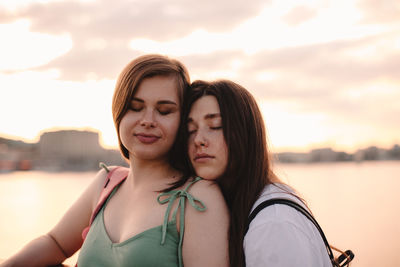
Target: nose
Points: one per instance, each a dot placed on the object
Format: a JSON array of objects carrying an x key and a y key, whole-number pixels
[
  {"x": 148, "y": 120},
  {"x": 200, "y": 139}
]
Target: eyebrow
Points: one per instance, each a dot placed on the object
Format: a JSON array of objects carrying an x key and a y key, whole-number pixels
[
  {"x": 212, "y": 116},
  {"x": 161, "y": 102},
  {"x": 207, "y": 117},
  {"x": 166, "y": 102}
]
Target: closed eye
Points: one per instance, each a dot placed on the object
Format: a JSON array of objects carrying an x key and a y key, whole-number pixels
[
  {"x": 216, "y": 128},
  {"x": 164, "y": 112},
  {"x": 136, "y": 109},
  {"x": 136, "y": 105},
  {"x": 167, "y": 108}
]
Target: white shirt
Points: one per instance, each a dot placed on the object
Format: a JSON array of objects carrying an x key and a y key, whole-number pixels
[{"x": 280, "y": 236}]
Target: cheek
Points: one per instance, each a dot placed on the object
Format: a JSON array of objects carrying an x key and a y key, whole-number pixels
[
  {"x": 225, "y": 157},
  {"x": 223, "y": 151},
  {"x": 126, "y": 125},
  {"x": 191, "y": 151},
  {"x": 127, "y": 120},
  {"x": 123, "y": 126},
  {"x": 172, "y": 124},
  {"x": 173, "y": 131},
  {"x": 176, "y": 125},
  {"x": 190, "y": 143}
]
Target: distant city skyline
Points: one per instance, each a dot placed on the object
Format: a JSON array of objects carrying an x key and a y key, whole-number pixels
[
  {"x": 274, "y": 149},
  {"x": 76, "y": 150},
  {"x": 325, "y": 73}
]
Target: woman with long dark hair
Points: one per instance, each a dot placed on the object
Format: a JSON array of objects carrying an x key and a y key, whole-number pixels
[{"x": 227, "y": 143}]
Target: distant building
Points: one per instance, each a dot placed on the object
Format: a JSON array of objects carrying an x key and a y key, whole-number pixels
[
  {"x": 70, "y": 150},
  {"x": 69, "y": 143},
  {"x": 292, "y": 157},
  {"x": 16, "y": 155},
  {"x": 315, "y": 155},
  {"x": 73, "y": 150},
  {"x": 322, "y": 155},
  {"x": 372, "y": 153},
  {"x": 328, "y": 155},
  {"x": 394, "y": 152}
]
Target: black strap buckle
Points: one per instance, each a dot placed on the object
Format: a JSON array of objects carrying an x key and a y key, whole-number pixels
[{"x": 345, "y": 258}]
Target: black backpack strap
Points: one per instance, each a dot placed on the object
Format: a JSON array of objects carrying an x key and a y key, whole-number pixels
[{"x": 306, "y": 213}]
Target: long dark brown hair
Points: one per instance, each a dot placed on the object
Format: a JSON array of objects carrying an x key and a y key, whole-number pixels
[{"x": 249, "y": 166}]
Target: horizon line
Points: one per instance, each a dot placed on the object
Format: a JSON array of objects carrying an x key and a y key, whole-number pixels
[{"x": 306, "y": 148}]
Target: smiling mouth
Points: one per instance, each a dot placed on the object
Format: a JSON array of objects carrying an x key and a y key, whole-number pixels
[{"x": 147, "y": 139}]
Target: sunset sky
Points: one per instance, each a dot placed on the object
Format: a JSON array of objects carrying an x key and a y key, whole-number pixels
[{"x": 325, "y": 73}]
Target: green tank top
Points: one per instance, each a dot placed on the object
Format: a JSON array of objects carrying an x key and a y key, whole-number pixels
[{"x": 157, "y": 246}]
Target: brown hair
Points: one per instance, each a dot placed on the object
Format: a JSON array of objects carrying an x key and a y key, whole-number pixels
[
  {"x": 133, "y": 74},
  {"x": 249, "y": 163}
]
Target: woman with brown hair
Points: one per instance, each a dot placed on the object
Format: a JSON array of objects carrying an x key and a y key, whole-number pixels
[
  {"x": 227, "y": 143},
  {"x": 132, "y": 226}
]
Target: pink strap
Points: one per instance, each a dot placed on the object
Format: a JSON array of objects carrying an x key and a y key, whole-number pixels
[{"x": 114, "y": 178}]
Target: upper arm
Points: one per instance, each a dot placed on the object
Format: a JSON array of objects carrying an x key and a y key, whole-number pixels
[
  {"x": 205, "y": 240},
  {"x": 68, "y": 231},
  {"x": 278, "y": 243}
]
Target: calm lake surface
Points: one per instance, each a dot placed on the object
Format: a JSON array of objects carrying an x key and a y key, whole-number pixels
[{"x": 357, "y": 205}]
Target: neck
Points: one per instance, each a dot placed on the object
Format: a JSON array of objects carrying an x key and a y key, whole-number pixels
[{"x": 155, "y": 174}]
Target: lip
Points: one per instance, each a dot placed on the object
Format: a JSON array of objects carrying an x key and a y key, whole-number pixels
[
  {"x": 202, "y": 157},
  {"x": 147, "y": 138}
]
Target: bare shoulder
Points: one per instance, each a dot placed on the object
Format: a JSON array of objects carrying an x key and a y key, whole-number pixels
[
  {"x": 68, "y": 230},
  {"x": 101, "y": 177},
  {"x": 95, "y": 188},
  {"x": 99, "y": 181},
  {"x": 206, "y": 190},
  {"x": 209, "y": 193},
  {"x": 206, "y": 232}
]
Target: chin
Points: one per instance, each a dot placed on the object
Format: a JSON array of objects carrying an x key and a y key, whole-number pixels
[
  {"x": 149, "y": 154},
  {"x": 207, "y": 174}
]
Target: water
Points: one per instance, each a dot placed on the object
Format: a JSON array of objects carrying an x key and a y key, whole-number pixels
[
  {"x": 356, "y": 205},
  {"x": 31, "y": 203}
]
